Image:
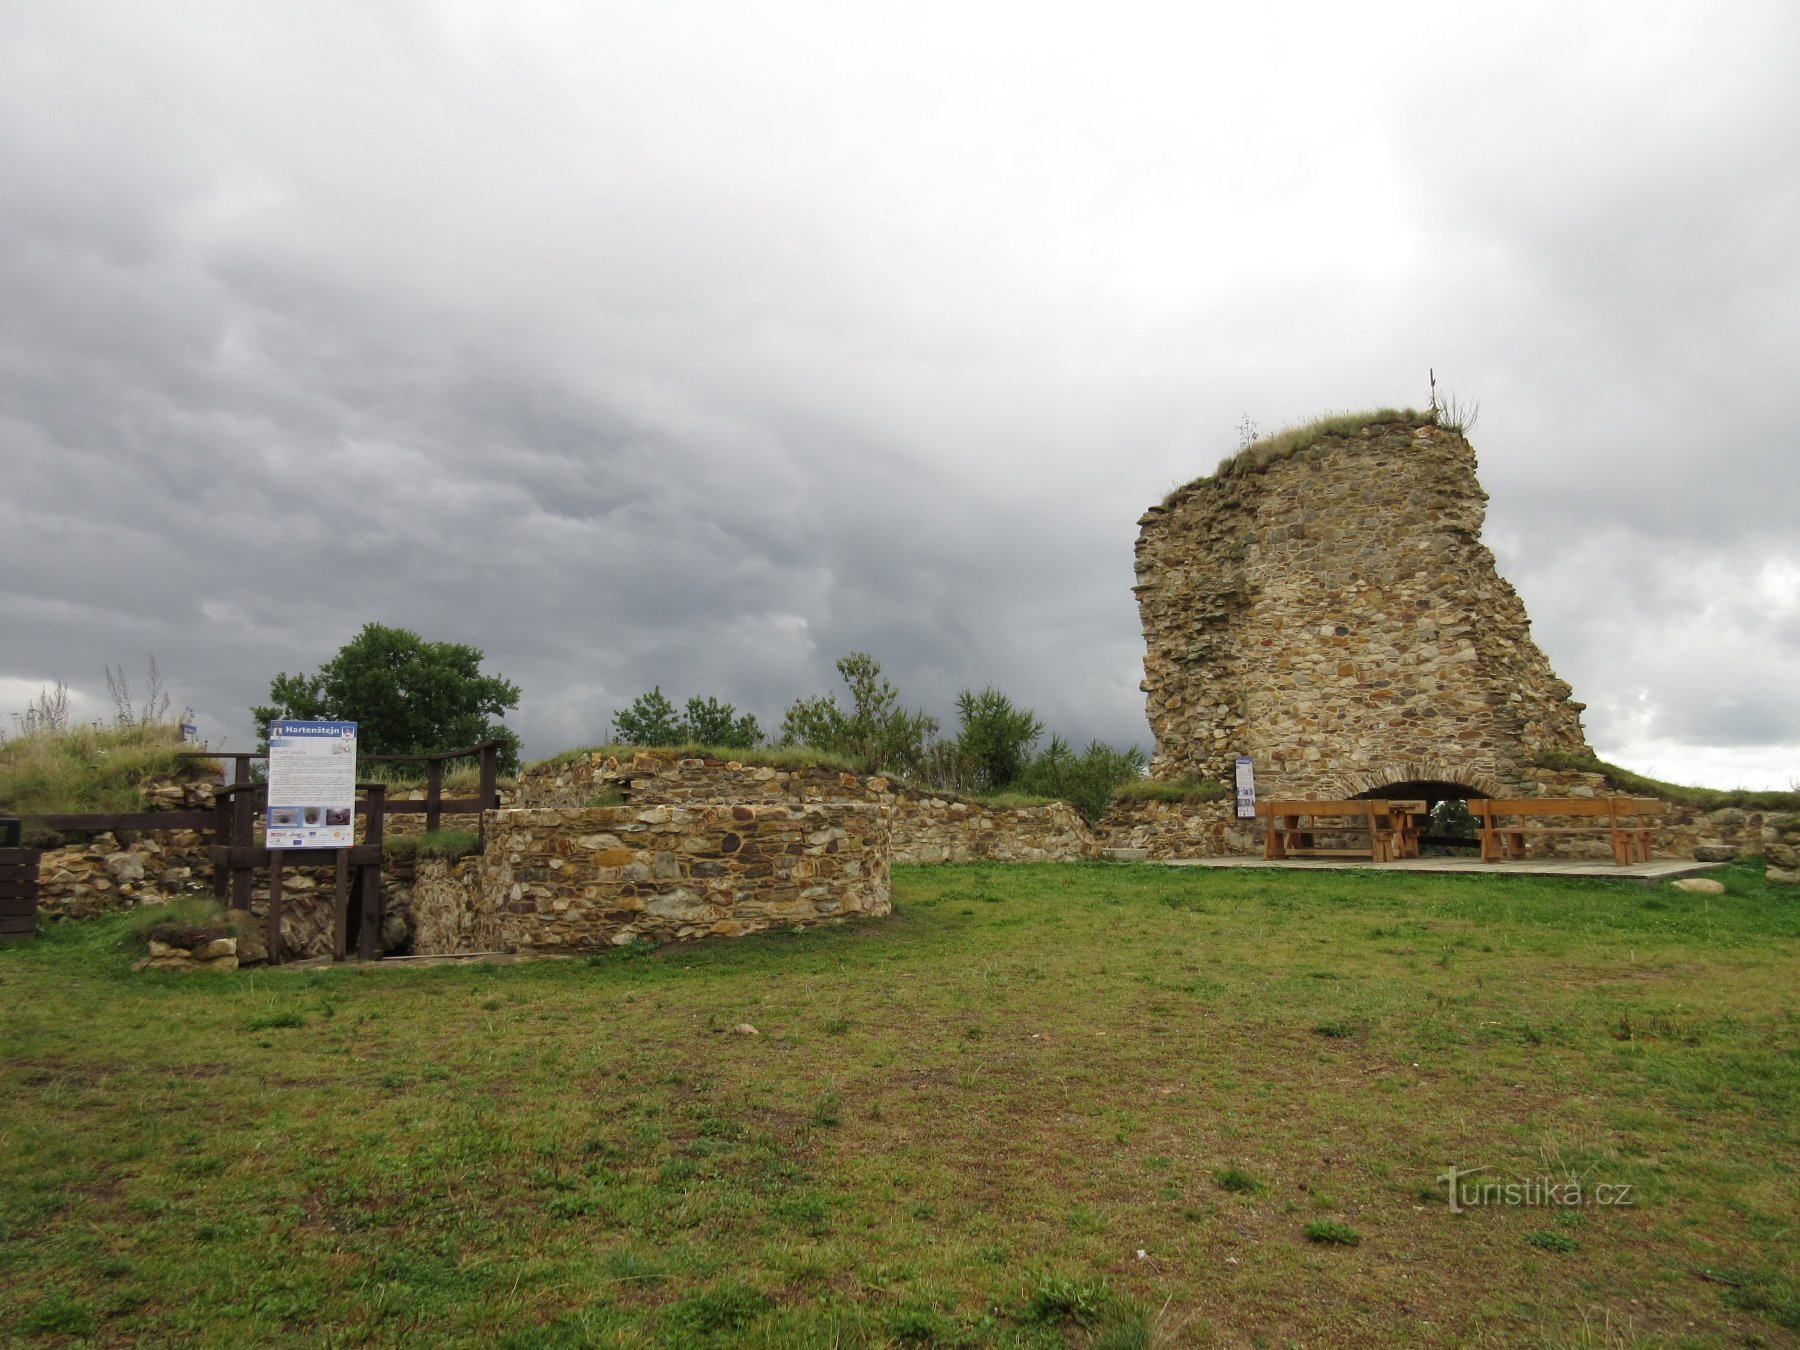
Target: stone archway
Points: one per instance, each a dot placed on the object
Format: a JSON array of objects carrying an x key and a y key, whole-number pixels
[{"x": 1398, "y": 780}]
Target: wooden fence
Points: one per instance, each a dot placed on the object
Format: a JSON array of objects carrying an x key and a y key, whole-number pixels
[
  {"x": 238, "y": 809},
  {"x": 18, "y": 885}
]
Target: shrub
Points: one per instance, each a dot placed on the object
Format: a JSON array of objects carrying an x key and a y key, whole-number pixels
[
  {"x": 996, "y": 738},
  {"x": 1086, "y": 781},
  {"x": 875, "y": 734}
]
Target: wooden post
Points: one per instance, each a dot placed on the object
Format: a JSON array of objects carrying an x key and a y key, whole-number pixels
[
  {"x": 340, "y": 908},
  {"x": 490, "y": 776},
  {"x": 221, "y": 876},
  {"x": 434, "y": 794},
  {"x": 243, "y": 835},
  {"x": 368, "y": 943},
  {"x": 273, "y": 937},
  {"x": 490, "y": 790}
]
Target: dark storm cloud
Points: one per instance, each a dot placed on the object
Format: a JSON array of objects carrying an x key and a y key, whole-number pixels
[{"x": 703, "y": 353}]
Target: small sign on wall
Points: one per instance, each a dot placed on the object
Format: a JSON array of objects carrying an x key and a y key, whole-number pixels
[{"x": 1246, "y": 788}]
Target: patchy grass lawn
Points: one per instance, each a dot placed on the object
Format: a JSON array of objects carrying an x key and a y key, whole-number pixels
[{"x": 1105, "y": 1105}]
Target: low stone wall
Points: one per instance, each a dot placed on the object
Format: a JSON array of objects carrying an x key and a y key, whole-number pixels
[
  {"x": 1733, "y": 832},
  {"x": 931, "y": 829},
  {"x": 79, "y": 881},
  {"x": 1180, "y": 829},
  {"x": 664, "y": 778},
  {"x": 570, "y": 879},
  {"x": 927, "y": 827},
  {"x": 446, "y": 908}
]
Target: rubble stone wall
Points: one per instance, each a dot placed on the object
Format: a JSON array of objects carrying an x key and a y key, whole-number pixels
[
  {"x": 1333, "y": 613},
  {"x": 927, "y": 827},
  {"x": 570, "y": 879},
  {"x": 1181, "y": 829}
]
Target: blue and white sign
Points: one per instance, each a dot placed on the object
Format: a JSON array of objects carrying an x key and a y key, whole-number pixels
[
  {"x": 1246, "y": 788},
  {"x": 312, "y": 785}
]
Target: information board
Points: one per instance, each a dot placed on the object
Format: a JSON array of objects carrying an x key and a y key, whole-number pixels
[
  {"x": 312, "y": 785},
  {"x": 1246, "y": 788}
]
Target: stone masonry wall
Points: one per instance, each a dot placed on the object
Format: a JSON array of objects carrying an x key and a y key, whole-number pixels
[
  {"x": 1181, "y": 829},
  {"x": 1334, "y": 614},
  {"x": 927, "y": 827},
  {"x": 570, "y": 879}
]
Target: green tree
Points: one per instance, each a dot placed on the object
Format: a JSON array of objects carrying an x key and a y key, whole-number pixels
[
  {"x": 710, "y": 722},
  {"x": 406, "y": 695},
  {"x": 875, "y": 733},
  {"x": 996, "y": 738},
  {"x": 651, "y": 720}
]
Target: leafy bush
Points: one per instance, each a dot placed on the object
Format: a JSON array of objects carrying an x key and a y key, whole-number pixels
[
  {"x": 1086, "y": 781},
  {"x": 875, "y": 733}
]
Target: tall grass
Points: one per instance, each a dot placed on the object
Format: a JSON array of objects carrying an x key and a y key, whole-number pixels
[
  {"x": 1281, "y": 444},
  {"x": 54, "y": 771},
  {"x": 1641, "y": 785}
]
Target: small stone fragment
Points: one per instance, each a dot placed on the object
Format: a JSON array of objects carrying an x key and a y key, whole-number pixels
[{"x": 1700, "y": 886}]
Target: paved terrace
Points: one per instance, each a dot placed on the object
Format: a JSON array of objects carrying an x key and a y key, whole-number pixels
[{"x": 1657, "y": 869}]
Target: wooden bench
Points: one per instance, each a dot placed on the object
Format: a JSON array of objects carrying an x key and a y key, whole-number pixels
[
  {"x": 1628, "y": 822},
  {"x": 1390, "y": 830}
]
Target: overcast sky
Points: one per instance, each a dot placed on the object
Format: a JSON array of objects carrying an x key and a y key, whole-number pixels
[{"x": 700, "y": 344}]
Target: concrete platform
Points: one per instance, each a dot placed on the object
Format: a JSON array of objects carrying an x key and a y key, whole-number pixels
[{"x": 1658, "y": 869}]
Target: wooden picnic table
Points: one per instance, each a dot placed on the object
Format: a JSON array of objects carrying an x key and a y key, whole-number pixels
[{"x": 1388, "y": 830}]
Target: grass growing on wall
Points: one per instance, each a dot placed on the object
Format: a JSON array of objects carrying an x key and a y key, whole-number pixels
[
  {"x": 1173, "y": 790},
  {"x": 1281, "y": 444},
  {"x": 762, "y": 756},
  {"x": 1627, "y": 783},
  {"x": 55, "y": 772},
  {"x": 1043, "y": 1105}
]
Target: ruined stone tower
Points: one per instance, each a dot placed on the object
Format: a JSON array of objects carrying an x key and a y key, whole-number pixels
[{"x": 1324, "y": 604}]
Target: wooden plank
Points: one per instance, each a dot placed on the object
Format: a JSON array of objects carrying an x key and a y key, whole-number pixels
[
  {"x": 1543, "y": 806},
  {"x": 243, "y": 858},
  {"x": 97, "y": 821},
  {"x": 17, "y": 925},
  {"x": 13, "y": 905},
  {"x": 450, "y": 806}
]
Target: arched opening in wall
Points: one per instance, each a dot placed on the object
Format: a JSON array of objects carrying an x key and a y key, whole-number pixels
[{"x": 1451, "y": 829}]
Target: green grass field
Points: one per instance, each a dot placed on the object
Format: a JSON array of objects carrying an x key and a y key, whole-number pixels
[{"x": 1087, "y": 1105}]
